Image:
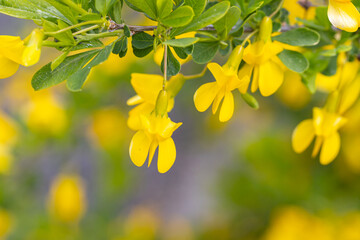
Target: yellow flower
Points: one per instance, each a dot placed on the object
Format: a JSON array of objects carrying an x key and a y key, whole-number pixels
[
  {"x": 343, "y": 15},
  {"x": 44, "y": 114},
  {"x": 6, "y": 223},
  {"x": 298, "y": 11},
  {"x": 293, "y": 92},
  {"x": 324, "y": 127},
  {"x": 263, "y": 65},
  {"x": 8, "y": 130},
  {"x": 345, "y": 73},
  {"x": 214, "y": 92},
  {"x": 67, "y": 200},
  {"x": 147, "y": 87},
  {"x": 14, "y": 51},
  {"x": 108, "y": 128},
  {"x": 155, "y": 132},
  {"x": 6, "y": 160}
]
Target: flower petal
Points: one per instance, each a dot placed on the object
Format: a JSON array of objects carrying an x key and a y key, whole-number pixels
[
  {"x": 7, "y": 67},
  {"x": 147, "y": 86},
  {"x": 330, "y": 149},
  {"x": 255, "y": 79},
  {"x": 343, "y": 15},
  {"x": 12, "y": 48},
  {"x": 218, "y": 72},
  {"x": 350, "y": 95},
  {"x": 167, "y": 155},
  {"x": 227, "y": 107},
  {"x": 245, "y": 76},
  {"x": 271, "y": 76},
  {"x": 303, "y": 135},
  {"x": 139, "y": 148},
  {"x": 205, "y": 95}
]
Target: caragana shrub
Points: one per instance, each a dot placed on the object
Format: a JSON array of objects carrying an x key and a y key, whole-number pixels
[{"x": 265, "y": 42}]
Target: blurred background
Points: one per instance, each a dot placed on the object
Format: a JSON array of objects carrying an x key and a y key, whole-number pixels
[{"x": 65, "y": 172}]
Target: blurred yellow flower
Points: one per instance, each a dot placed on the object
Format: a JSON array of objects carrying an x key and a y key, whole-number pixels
[
  {"x": 155, "y": 132},
  {"x": 44, "y": 114},
  {"x": 349, "y": 227},
  {"x": 344, "y": 15},
  {"x": 14, "y": 51},
  {"x": 6, "y": 223},
  {"x": 227, "y": 80},
  {"x": 324, "y": 126},
  {"x": 293, "y": 92},
  {"x": 67, "y": 198},
  {"x": 147, "y": 88},
  {"x": 262, "y": 63},
  {"x": 108, "y": 127},
  {"x": 296, "y": 10},
  {"x": 294, "y": 223},
  {"x": 6, "y": 160},
  {"x": 8, "y": 130}
]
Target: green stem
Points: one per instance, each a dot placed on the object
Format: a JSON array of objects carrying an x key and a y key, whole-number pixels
[
  {"x": 74, "y": 26},
  {"x": 277, "y": 9},
  {"x": 190, "y": 77},
  {"x": 249, "y": 36},
  {"x": 74, "y": 6},
  {"x": 55, "y": 44},
  {"x": 86, "y": 30},
  {"x": 165, "y": 65},
  {"x": 88, "y": 37}
]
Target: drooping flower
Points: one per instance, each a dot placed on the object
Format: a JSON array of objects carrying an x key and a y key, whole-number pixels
[
  {"x": 221, "y": 90},
  {"x": 324, "y": 128},
  {"x": 262, "y": 63},
  {"x": 147, "y": 87},
  {"x": 15, "y": 52},
  {"x": 67, "y": 200},
  {"x": 344, "y": 15},
  {"x": 155, "y": 131}
]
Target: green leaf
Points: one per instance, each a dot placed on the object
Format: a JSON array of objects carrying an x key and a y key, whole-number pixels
[
  {"x": 205, "y": 51},
  {"x": 180, "y": 52},
  {"x": 75, "y": 82},
  {"x": 65, "y": 37},
  {"x": 57, "y": 61},
  {"x": 299, "y": 37},
  {"x": 308, "y": 78},
  {"x": 140, "y": 53},
  {"x": 45, "y": 78},
  {"x": 33, "y": 9},
  {"x": 173, "y": 65},
  {"x": 164, "y": 8},
  {"x": 208, "y": 17},
  {"x": 142, "y": 40},
  {"x": 103, "y": 6},
  {"x": 197, "y": 5},
  {"x": 178, "y": 18},
  {"x": 295, "y": 61},
  {"x": 115, "y": 11},
  {"x": 146, "y": 6},
  {"x": 225, "y": 24},
  {"x": 182, "y": 42}
]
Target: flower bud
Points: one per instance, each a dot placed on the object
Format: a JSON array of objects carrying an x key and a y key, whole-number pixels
[
  {"x": 32, "y": 51},
  {"x": 265, "y": 29},
  {"x": 235, "y": 58},
  {"x": 175, "y": 84},
  {"x": 250, "y": 100},
  {"x": 162, "y": 102}
]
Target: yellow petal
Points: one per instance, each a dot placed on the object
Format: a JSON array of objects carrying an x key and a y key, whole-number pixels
[
  {"x": 330, "y": 149},
  {"x": 343, "y": 15},
  {"x": 167, "y": 155},
  {"x": 227, "y": 107},
  {"x": 147, "y": 86},
  {"x": 134, "y": 122},
  {"x": 255, "y": 79},
  {"x": 12, "y": 48},
  {"x": 217, "y": 101},
  {"x": 328, "y": 83},
  {"x": 135, "y": 100},
  {"x": 245, "y": 76},
  {"x": 303, "y": 135},
  {"x": 7, "y": 67},
  {"x": 205, "y": 95},
  {"x": 218, "y": 73},
  {"x": 350, "y": 95},
  {"x": 32, "y": 51},
  {"x": 152, "y": 150},
  {"x": 139, "y": 148},
  {"x": 271, "y": 76}
]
